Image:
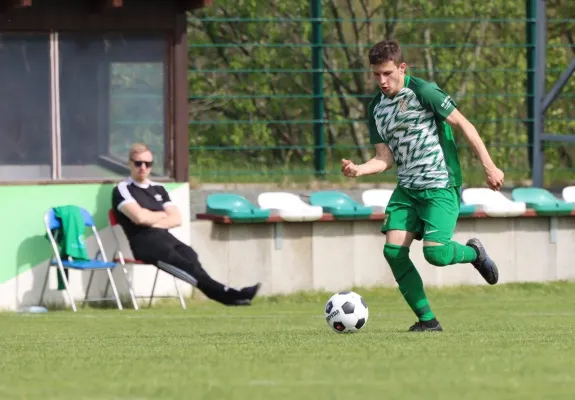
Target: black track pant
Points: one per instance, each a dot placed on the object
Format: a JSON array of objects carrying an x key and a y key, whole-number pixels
[{"x": 164, "y": 250}]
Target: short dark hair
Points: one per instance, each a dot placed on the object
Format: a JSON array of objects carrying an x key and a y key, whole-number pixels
[{"x": 385, "y": 51}]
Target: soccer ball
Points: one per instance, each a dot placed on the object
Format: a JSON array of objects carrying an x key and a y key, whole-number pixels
[{"x": 346, "y": 312}]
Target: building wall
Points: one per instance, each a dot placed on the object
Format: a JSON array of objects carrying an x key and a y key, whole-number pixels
[{"x": 26, "y": 250}]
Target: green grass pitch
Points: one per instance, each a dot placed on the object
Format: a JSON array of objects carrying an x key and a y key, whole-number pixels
[{"x": 502, "y": 342}]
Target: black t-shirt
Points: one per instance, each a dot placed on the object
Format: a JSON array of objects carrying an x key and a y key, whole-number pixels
[{"x": 150, "y": 195}]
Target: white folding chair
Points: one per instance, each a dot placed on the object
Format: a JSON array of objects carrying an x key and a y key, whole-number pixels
[
  {"x": 53, "y": 226},
  {"x": 119, "y": 257}
]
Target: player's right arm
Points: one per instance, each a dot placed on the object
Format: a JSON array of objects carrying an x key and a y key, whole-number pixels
[
  {"x": 382, "y": 161},
  {"x": 125, "y": 203}
]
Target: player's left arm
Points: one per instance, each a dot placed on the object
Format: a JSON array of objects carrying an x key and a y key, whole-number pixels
[
  {"x": 493, "y": 174},
  {"x": 173, "y": 217},
  {"x": 445, "y": 109},
  {"x": 458, "y": 121}
]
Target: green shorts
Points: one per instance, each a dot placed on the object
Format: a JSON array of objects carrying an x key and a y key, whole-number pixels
[{"x": 429, "y": 213}]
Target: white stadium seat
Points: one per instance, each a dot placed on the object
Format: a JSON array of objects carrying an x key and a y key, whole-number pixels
[
  {"x": 289, "y": 206},
  {"x": 569, "y": 194},
  {"x": 493, "y": 203},
  {"x": 376, "y": 197}
]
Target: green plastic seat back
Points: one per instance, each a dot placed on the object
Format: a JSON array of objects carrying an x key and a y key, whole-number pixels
[
  {"x": 229, "y": 201},
  {"x": 534, "y": 196},
  {"x": 236, "y": 207},
  {"x": 467, "y": 210},
  {"x": 340, "y": 204},
  {"x": 542, "y": 201},
  {"x": 333, "y": 199}
]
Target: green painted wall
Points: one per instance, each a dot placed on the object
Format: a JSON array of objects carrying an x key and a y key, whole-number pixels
[{"x": 22, "y": 237}]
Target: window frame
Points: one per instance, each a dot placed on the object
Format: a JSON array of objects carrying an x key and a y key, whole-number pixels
[
  {"x": 46, "y": 33},
  {"x": 171, "y": 24}
]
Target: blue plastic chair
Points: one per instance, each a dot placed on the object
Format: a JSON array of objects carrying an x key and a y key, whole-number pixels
[{"x": 100, "y": 262}]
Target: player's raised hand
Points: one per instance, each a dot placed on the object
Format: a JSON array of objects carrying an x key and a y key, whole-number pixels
[
  {"x": 494, "y": 178},
  {"x": 349, "y": 169}
]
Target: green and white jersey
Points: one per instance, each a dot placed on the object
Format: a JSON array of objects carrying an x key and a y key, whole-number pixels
[{"x": 412, "y": 124}]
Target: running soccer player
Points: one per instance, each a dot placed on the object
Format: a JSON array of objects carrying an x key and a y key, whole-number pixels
[{"x": 410, "y": 122}]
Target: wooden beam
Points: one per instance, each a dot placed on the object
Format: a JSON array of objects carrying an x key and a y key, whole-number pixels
[
  {"x": 108, "y": 4},
  {"x": 5, "y": 5},
  {"x": 21, "y": 3},
  {"x": 112, "y": 3},
  {"x": 179, "y": 99},
  {"x": 185, "y": 5},
  {"x": 97, "y": 6}
]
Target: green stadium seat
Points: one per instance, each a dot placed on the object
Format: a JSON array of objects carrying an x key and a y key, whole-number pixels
[
  {"x": 340, "y": 205},
  {"x": 235, "y": 207},
  {"x": 467, "y": 210},
  {"x": 542, "y": 201}
]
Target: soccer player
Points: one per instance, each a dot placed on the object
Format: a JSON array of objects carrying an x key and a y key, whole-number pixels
[
  {"x": 410, "y": 122},
  {"x": 146, "y": 213}
]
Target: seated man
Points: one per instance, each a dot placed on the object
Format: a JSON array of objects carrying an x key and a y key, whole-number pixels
[{"x": 145, "y": 212}]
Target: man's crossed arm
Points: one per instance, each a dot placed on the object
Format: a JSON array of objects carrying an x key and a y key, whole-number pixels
[{"x": 167, "y": 219}]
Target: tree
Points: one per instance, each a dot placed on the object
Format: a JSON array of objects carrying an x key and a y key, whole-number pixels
[{"x": 251, "y": 72}]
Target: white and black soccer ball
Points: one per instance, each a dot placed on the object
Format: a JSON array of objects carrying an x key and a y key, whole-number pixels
[{"x": 346, "y": 312}]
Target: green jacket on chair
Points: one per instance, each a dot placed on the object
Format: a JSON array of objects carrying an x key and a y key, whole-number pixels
[{"x": 70, "y": 237}]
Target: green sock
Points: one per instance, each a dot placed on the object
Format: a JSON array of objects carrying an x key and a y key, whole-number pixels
[
  {"x": 449, "y": 254},
  {"x": 409, "y": 280}
]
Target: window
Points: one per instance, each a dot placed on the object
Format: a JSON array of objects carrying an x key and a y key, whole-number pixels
[
  {"x": 71, "y": 104},
  {"x": 25, "y": 107},
  {"x": 137, "y": 110},
  {"x": 112, "y": 94}
]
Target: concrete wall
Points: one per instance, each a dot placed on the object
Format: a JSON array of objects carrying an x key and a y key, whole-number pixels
[{"x": 333, "y": 256}]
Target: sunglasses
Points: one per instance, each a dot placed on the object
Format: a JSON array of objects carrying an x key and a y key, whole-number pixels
[{"x": 138, "y": 164}]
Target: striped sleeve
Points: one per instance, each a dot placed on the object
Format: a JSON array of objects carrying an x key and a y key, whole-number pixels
[
  {"x": 166, "y": 197},
  {"x": 122, "y": 195}
]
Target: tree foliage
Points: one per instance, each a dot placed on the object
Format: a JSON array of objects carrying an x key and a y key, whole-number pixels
[{"x": 251, "y": 77}]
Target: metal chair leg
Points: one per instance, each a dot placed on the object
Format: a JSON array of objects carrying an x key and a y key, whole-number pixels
[
  {"x": 154, "y": 287},
  {"x": 182, "y": 302},
  {"x": 88, "y": 288},
  {"x": 113, "y": 284},
  {"x": 130, "y": 288},
  {"x": 45, "y": 284},
  {"x": 66, "y": 286},
  {"x": 106, "y": 288}
]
